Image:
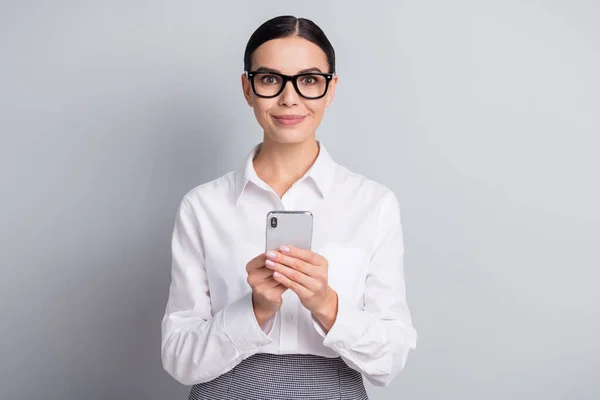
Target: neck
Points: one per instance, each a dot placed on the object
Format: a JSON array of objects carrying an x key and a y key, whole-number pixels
[{"x": 281, "y": 164}]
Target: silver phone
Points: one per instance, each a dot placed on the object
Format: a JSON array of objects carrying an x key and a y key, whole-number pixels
[{"x": 290, "y": 228}]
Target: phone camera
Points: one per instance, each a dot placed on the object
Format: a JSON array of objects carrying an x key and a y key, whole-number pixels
[{"x": 273, "y": 222}]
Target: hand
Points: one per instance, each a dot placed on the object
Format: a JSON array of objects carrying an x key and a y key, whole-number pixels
[
  {"x": 306, "y": 273},
  {"x": 266, "y": 291}
]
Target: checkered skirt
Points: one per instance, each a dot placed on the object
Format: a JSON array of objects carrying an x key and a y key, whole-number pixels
[{"x": 265, "y": 376}]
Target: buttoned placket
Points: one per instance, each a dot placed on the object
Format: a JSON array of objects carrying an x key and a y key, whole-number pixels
[{"x": 288, "y": 313}]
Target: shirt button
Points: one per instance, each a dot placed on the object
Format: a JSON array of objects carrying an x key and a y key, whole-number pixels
[{"x": 289, "y": 318}]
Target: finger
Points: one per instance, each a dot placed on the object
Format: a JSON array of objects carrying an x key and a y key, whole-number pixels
[
  {"x": 300, "y": 290},
  {"x": 295, "y": 263},
  {"x": 294, "y": 275},
  {"x": 257, "y": 262},
  {"x": 265, "y": 277},
  {"x": 262, "y": 273},
  {"x": 271, "y": 283},
  {"x": 304, "y": 254},
  {"x": 279, "y": 288}
]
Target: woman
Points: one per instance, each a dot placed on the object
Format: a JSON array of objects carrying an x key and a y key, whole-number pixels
[{"x": 242, "y": 323}]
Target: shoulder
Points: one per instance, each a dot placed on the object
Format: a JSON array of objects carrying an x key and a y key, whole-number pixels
[
  {"x": 217, "y": 191},
  {"x": 362, "y": 188}
]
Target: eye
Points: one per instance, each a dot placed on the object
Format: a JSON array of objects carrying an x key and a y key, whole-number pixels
[
  {"x": 309, "y": 80},
  {"x": 269, "y": 79}
]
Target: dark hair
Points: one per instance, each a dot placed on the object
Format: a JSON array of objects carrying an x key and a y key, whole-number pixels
[{"x": 285, "y": 26}]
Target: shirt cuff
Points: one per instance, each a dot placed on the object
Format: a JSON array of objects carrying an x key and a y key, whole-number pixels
[
  {"x": 242, "y": 327},
  {"x": 349, "y": 325}
]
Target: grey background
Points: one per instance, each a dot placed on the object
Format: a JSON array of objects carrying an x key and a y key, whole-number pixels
[{"x": 483, "y": 117}]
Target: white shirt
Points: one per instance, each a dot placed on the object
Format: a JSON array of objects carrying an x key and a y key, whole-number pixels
[{"x": 209, "y": 325}]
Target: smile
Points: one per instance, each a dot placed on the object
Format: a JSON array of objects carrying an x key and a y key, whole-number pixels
[{"x": 289, "y": 119}]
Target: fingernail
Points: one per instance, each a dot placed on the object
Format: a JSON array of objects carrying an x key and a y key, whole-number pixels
[
  {"x": 285, "y": 249},
  {"x": 269, "y": 263},
  {"x": 271, "y": 254}
]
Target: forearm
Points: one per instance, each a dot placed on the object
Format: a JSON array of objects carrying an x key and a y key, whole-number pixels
[
  {"x": 376, "y": 347},
  {"x": 196, "y": 350}
]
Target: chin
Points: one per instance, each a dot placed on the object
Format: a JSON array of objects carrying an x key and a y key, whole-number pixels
[{"x": 289, "y": 136}]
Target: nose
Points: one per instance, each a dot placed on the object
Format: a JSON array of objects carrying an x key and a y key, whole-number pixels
[{"x": 289, "y": 97}]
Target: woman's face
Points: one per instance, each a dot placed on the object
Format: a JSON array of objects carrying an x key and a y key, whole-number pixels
[{"x": 289, "y": 56}]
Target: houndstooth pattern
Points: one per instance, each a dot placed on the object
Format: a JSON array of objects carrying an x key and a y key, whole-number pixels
[{"x": 285, "y": 377}]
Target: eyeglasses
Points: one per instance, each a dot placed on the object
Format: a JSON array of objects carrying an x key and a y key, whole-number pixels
[{"x": 310, "y": 85}]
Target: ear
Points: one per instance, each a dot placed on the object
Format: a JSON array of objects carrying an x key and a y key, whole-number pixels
[
  {"x": 331, "y": 91},
  {"x": 248, "y": 95}
]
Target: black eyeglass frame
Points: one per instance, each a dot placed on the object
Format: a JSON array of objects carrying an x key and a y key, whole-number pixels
[{"x": 294, "y": 78}]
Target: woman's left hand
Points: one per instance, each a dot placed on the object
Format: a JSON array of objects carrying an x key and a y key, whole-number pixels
[{"x": 305, "y": 272}]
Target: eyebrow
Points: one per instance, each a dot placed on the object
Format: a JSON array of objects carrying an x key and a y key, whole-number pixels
[{"x": 304, "y": 71}]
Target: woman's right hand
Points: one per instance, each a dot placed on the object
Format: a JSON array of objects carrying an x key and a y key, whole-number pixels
[{"x": 266, "y": 291}]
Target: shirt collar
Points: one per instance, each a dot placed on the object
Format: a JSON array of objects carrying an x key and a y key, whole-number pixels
[{"x": 321, "y": 172}]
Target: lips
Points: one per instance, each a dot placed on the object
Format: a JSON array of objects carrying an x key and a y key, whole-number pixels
[{"x": 289, "y": 119}]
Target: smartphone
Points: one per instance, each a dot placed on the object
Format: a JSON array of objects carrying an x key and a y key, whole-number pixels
[{"x": 290, "y": 228}]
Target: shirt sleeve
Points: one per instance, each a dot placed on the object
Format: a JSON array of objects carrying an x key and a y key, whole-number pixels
[
  {"x": 196, "y": 345},
  {"x": 377, "y": 339}
]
